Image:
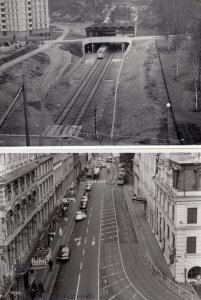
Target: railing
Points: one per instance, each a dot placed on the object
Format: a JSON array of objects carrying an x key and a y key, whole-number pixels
[{"x": 175, "y": 288}]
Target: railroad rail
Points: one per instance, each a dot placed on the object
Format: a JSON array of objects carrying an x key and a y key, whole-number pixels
[{"x": 74, "y": 112}]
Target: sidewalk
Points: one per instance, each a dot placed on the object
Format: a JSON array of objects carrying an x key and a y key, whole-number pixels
[
  {"x": 46, "y": 276},
  {"x": 147, "y": 239}
]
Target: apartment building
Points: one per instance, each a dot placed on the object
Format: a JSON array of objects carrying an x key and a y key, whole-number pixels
[
  {"x": 21, "y": 18},
  {"x": 31, "y": 190},
  {"x": 176, "y": 209}
]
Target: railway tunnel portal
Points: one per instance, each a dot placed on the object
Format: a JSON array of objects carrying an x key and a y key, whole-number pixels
[
  {"x": 117, "y": 35},
  {"x": 91, "y": 44}
]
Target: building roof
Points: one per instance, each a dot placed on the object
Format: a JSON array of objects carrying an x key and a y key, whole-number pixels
[
  {"x": 22, "y": 170},
  {"x": 186, "y": 158},
  {"x": 101, "y": 25},
  {"x": 17, "y": 172}
]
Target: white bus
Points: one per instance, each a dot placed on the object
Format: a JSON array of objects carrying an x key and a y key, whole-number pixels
[{"x": 101, "y": 51}]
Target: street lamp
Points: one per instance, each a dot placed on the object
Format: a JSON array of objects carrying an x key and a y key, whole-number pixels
[{"x": 168, "y": 105}]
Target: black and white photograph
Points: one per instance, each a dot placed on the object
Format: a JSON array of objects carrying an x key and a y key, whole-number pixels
[
  {"x": 100, "y": 226},
  {"x": 100, "y": 72}
]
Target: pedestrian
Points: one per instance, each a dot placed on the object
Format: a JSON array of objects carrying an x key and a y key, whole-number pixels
[
  {"x": 34, "y": 285},
  {"x": 41, "y": 289},
  {"x": 50, "y": 263},
  {"x": 60, "y": 231},
  {"x": 33, "y": 293}
]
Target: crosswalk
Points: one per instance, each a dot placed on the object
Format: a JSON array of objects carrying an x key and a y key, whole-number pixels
[{"x": 96, "y": 181}]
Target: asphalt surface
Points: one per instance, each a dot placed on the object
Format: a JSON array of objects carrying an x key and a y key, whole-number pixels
[{"x": 106, "y": 258}]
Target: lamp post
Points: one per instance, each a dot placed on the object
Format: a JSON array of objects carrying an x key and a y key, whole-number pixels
[{"x": 168, "y": 105}]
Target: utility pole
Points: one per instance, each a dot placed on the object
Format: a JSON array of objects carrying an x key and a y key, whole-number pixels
[
  {"x": 25, "y": 114},
  {"x": 95, "y": 122}
]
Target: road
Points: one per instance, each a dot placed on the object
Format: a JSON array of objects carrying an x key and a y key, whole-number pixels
[{"x": 106, "y": 260}]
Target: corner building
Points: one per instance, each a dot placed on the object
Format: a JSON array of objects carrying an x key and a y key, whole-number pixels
[
  {"x": 31, "y": 190},
  {"x": 22, "y": 18},
  {"x": 174, "y": 210}
]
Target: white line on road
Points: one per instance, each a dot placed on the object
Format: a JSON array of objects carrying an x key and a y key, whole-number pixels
[
  {"x": 90, "y": 215},
  {"x": 83, "y": 252},
  {"x": 81, "y": 266},
  {"x": 88, "y": 222},
  {"x": 108, "y": 217},
  {"x": 109, "y": 228},
  {"x": 108, "y": 223},
  {"x": 99, "y": 248},
  {"x": 78, "y": 284},
  {"x": 87, "y": 230},
  {"x": 109, "y": 209},
  {"x": 91, "y": 208},
  {"x": 109, "y": 232},
  {"x": 85, "y": 241}
]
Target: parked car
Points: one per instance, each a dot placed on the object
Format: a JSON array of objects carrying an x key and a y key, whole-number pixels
[
  {"x": 88, "y": 187},
  {"x": 89, "y": 173},
  {"x": 80, "y": 215},
  {"x": 83, "y": 205},
  {"x": 85, "y": 197},
  {"x": 63, "y": 253}
]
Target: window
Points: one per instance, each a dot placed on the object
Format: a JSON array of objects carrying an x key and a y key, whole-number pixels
[
  {"x": 168, "y": 232},
  {"x": 192, "y": 215},
  {"x": 194, "y": 272},
  {"x": 173, "y": 212},
  {"x": 191, "y": 244},
  {"x": 173, "y": 240}
]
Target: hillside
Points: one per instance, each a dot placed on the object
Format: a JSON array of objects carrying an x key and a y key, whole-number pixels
[{"x": 77, "y": 10}]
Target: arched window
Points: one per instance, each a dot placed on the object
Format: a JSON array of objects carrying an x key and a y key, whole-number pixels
[{"x": 194, "y": 272}]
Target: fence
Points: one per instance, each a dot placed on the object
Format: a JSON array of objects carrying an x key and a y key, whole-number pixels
[{"x": 177, "y": 289}]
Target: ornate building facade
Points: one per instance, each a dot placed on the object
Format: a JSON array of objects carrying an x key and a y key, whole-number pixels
[
  {"x": 31, "y": 190},
  {"x": 173, "y": 208}
]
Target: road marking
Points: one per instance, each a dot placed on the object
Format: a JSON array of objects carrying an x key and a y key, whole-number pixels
[
  {"x": 87, "y": 230},
  {"x": 109, "y": 232},
  {"x": 90, "y": 215},
  {"x": 109, "y": 209},
  {"x": 93, "y": 241},
  {"x": 78, "y": 284},
  {"x": 88, "y": 222},
  {"x": 91, "y": 208},
  {"x": 78, "y": 241},
  {"x": 107, "y": 215},
  {"x": 81, "y": 266},
  {"x": 109, "y": 206},
  {"x": 108, "y": 223},
  {"x": 85, "y": 241},
  {"x": 121, "y": 260},
  {"x": 114, "y": 226},
  {"x": 99, "y": 249},
  {"x": 83, "y": 252}
]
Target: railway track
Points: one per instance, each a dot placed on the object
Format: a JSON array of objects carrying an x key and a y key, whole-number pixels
[{"x": 74, "y": 112}]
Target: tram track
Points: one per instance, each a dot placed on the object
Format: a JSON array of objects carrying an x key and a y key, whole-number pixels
[{"x": 74, "y": 112}]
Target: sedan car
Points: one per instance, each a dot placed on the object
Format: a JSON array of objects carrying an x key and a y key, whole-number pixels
[
  {"x": 63, "y": 253},
  {"x": 88, "y": 187},
  {"x": 85, "y": 198},
  {"x": 83, "y": 204},
  {"x": 80, "y": 215}
]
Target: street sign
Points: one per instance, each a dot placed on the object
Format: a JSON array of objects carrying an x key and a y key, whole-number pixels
[{"x": 69, "y": 200}]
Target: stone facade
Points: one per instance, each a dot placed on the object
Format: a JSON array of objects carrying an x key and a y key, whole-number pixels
[
  {"x": 30, "y": 194},
  {"x": 171, "y": 185}
]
